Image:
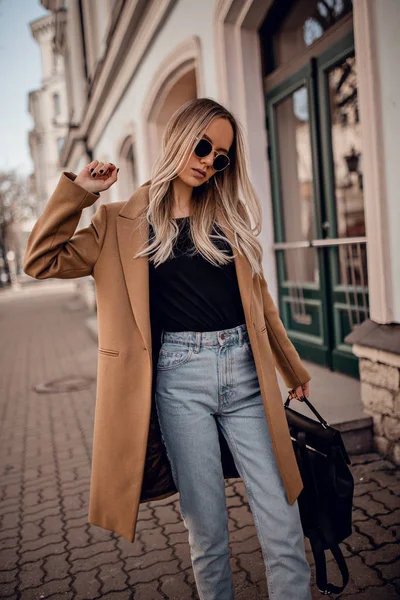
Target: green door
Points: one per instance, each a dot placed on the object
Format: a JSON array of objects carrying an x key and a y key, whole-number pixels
[{"x": 315, "y": 155}]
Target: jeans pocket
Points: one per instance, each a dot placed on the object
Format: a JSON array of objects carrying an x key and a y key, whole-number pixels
[{"x": 171, "y": 357}]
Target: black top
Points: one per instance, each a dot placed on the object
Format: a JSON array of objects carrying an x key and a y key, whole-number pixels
[{"x": 188, "y": 293}]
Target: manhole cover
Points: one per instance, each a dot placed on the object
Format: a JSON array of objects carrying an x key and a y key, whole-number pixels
[{"x": 64, "y": 384}]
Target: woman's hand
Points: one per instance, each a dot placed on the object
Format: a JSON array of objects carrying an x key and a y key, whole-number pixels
[
  {"x": 97, "y": 176},
  {"x": 299, "y": 392}
]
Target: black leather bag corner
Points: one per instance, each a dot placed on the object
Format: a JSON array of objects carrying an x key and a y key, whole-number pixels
[{"x": 326, "y": 501}]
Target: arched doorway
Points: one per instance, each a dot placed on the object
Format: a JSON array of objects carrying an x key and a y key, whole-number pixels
[
  {"x": 127, "y": 159},
  {"x": 180, "y": 88},
  {"x": 177, "y": 80}
]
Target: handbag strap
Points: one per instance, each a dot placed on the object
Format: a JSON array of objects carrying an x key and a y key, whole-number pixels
[
  {"x": 312, "y": 408},
  {"x": 318, "y": 551},
  {"x": 323, "y": 531}
]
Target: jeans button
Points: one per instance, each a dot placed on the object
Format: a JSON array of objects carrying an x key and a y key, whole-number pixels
[{"x": 222, "y": 336}]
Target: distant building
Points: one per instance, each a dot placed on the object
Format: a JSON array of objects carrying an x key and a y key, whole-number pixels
[{"x": 49, "y": 110}]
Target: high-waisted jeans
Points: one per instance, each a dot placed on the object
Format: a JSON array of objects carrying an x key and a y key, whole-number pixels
[{"x": 203, "y": 377}]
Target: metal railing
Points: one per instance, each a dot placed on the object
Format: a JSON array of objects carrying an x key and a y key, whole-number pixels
[{"x": 353, "y": 273}]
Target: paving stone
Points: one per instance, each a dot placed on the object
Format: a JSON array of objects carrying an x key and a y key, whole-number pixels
[
  {"x": 357, "y": 542},
  {"x": 147, "y": 591},
  {"x": 57, "y": 586},
  {"x": 8, "y": 558},
  {"x": 363, "y": 488},
  {"x": 387, "y": 498},
  {"x": 378, "y": 533},
  {"x": 120, "y": 595},
  {"x": 175, "y": 587},
  {"x": 386, "y": 554},
  {"x": 43, "y": 552},
  {"x": 152, "y": 573},
  {"x": 370, "y": 506},
  {"x": 242, "y": 516},
  {"x": 87, "y": 584},
  {"x": 152, "y": 558},
  {"x": 43, "y": 541},
  {"x": 153, "y": 539},
  {"x": 56, "y": 567},
  {"x": 359, "y": 515},
  {"x": 390, "y": 520},
  {"x": 126, "y": 548},
  {"x": 96, "y": 560},
  {"x": 113, "y": 577},
  {"x": 178, "y": 538},
  {"x": 7, "y": 590},
  {"x": 172, "y": 528},
  {"x": 365, "y": 458},
  {"x": 182, "y": 553},
  {"x": 386, "y": 592},
  {"x": 232, "y": 501},
  {"x": 166, "y": 514},
  {"x": 253, "y": 563},
  {"x": 389, "y": 571},
  {"x": 361, "y": 576},
  {"x": 250, "y": 545},
  {"x": 76, "y": 537},
  {"x": 242, "y": 534}
]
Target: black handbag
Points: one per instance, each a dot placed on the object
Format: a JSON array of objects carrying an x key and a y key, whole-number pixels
[{"x": 326, "y": 501}]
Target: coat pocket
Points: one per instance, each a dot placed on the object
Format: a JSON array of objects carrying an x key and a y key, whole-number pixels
[{"x": 108, "y": 351}]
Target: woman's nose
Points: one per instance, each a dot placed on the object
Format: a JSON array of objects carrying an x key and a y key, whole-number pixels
[{"x": 208, "y": 160}]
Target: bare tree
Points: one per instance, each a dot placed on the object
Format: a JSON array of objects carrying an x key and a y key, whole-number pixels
[{"x": 15, "y": 208}]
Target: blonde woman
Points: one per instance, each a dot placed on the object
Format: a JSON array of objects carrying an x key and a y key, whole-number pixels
[{"x": 189, "y": 339}]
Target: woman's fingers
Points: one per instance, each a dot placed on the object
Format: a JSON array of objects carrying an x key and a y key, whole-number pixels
[
  {"x": 97, "y": 171},
  {"x": 297, "y": 393}
]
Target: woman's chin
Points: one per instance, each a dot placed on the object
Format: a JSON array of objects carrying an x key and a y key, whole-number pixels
[{"x": 192, "y": 180}]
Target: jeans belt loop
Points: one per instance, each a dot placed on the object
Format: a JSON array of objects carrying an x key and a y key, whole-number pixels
[
  {"x": 240, "y": 332},
  {"x": 197, "y": 342}
]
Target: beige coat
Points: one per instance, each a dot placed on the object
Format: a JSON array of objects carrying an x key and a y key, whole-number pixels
[{"x": 129, "y": 465}]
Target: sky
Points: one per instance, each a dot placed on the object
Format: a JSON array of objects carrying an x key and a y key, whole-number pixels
[{"x": 22, "y": 72}]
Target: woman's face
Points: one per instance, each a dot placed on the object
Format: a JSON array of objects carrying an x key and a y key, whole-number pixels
[{"x": 220, "y": 134}]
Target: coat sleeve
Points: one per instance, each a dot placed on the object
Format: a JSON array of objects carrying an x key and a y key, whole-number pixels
[
  {"x": 287, "y": 359},
  {"x": 52, "y": 249}
]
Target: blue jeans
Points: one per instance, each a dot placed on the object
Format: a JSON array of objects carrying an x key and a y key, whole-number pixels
[{"x": 203, "y": 377}]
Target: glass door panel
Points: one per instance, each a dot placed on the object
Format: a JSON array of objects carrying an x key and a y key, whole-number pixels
[
  {"x": 317, "y": 187},
  {"x": 296, "y": 177},
  {"x": 345, "y": 131}
]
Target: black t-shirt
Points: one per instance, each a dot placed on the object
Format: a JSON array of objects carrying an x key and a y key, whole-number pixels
[{"x": 188, "y": 293}]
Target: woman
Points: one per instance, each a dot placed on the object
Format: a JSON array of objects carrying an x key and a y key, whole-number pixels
[{"x": 189, "y": 338}]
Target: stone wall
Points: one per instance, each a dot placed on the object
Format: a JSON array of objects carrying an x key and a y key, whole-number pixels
[{"x": 380, "y": 394}]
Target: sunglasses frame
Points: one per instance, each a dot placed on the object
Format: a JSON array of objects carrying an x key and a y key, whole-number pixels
[{"x": 198, "y": 139}]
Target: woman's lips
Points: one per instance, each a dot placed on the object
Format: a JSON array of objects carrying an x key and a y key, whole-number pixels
[{"x": 199, "y": 174}]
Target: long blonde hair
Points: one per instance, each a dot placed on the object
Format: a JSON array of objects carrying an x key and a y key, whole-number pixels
[{"x": 221, "y": 192}]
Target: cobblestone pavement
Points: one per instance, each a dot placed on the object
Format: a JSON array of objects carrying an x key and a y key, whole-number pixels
[{"x": 47, "y": 548}]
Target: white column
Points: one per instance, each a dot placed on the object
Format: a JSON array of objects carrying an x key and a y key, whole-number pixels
[{"x": 377, "y": 41}]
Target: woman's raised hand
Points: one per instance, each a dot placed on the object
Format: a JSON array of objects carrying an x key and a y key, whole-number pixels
[{"x": 97, "y": 176}]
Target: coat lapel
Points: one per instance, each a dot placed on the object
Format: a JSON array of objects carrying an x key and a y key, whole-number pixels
[
  {"x": 243, "y": 272},
  {"x": 132, "y": 233}
]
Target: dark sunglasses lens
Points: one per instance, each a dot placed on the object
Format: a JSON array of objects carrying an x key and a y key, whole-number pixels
[
  {"x": 203, "y": 148},
  {"x": 221, "y": 162}
]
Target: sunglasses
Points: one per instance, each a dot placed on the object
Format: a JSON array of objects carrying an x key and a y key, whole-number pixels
[{"x": 204, "y": 148}]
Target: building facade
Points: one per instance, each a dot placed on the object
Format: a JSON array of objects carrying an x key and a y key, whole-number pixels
[
  {"x": 316, "y": 88},
  {"x": 48, "y": 108}
]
